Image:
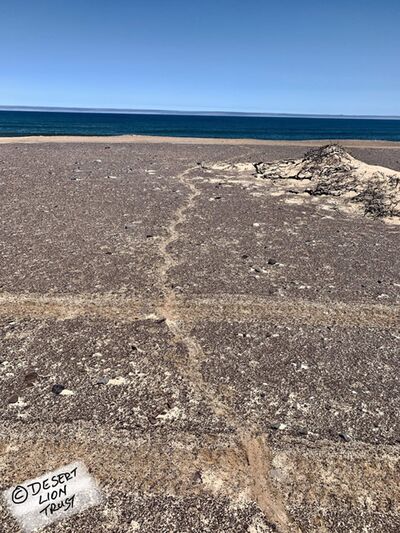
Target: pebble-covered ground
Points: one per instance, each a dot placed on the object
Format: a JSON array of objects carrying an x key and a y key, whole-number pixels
[{"x": 221, "y": 354}]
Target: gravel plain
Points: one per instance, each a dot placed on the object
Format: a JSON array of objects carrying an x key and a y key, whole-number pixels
[{"x": 230, "y": 348}]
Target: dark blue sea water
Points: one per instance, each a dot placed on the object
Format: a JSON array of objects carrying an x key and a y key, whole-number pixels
[{"x": 21, "y": 123}]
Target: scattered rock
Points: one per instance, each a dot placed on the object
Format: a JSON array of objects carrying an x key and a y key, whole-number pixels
[
  {"x": 197, "y": 477},
  {"x": 102, "y": 381},
  {"x": 13, "y": 398},
  {"x": 345, "y": 436},
  {"x": 272, "y": 261},
  {"x": 57, "y": 389},
  {"x": 278, "y": 425},
  {"x": 30, "y": 378}
]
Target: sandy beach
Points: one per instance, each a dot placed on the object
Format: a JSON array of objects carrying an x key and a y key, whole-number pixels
[
  {"x": 354, "y": 143},
  {"x": 229, "y": 341}
]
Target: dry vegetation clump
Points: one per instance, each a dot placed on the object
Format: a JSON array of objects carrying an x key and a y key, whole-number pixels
[{"x": 331, "y": 171}]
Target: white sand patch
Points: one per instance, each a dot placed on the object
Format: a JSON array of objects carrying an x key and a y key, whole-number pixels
[
  {"x": 172, "y": 414},
  {"x": 211, "y": 481},
  {"x": 19, "y": 403},
  {"x": 67, "y": 392},
  {"x": 117, "y": 381},
  {"x": 229, "y": 167}
]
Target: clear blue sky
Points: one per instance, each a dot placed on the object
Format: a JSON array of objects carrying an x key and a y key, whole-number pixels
[{"x": 294, "y": 56}]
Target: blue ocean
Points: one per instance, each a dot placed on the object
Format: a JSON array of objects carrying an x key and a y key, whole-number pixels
[{"x": 22, "y": 123}]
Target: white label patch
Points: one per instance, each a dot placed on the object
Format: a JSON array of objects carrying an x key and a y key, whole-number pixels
[{"x": 55, "y": 496}]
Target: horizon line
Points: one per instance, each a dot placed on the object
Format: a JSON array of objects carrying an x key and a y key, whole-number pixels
[{"x": 128, "y": 111}]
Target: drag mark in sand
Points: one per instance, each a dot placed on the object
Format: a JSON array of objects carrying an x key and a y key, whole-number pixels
[
  {"x": 169, "y": 308},
  {"x": 254, "y": 446}
]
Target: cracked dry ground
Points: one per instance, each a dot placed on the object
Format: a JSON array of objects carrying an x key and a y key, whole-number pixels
[{"x": 251, "y": 343}]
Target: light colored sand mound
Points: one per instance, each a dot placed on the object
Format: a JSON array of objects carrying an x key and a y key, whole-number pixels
[
  {"x": 330, "y": 170},
  {"x": 228, "y": 167}
]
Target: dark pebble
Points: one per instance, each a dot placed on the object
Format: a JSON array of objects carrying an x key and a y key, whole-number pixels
[
  {"x": 345, "y": 437},
  {"x": 13, "y": 398},
  {"x": 197, "y": 477},
  {"x": 276, "y": 425},
  {"x": 31, "y": 377},
  {"x": 272, "y": 261},
  {"x": 57, "y": 389}
]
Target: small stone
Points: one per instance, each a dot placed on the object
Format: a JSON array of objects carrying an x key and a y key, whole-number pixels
[
  {"x": 302, "y": 431},
  {"x": 345, "y": 436},
  {"x": 245, "y": 256},
  {"x": 57, "y": 389},
  {"x": 278, "y": 425},
  {"x": 13, "y": 398},
  {"x": 197, "y": 477},
  {"x": 102, "y": 381},
  {"x": 30, "y": 378},
  {"x": 272, "y": 261}
]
